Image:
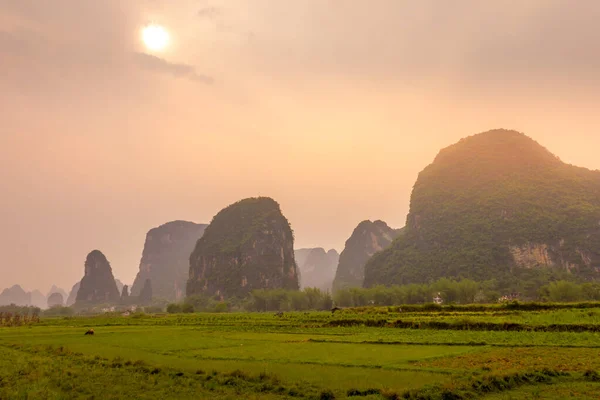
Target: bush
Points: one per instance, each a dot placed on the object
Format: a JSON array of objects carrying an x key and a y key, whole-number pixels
[
  {"x": 187, "y": 308},
  {"x": 174, "y": 308},
  {"x": 563, "y": 291}
]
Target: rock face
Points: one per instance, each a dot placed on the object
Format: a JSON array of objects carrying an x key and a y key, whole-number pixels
[
  {"x": 15, "y": 295},
  {"x": 145, "y": 297},
  {"x": 73, "y": 294},
  {"x": 119, "y": 285},
  {"x": 55, "y": 300},
  {"x": 316, "y": 267},
  {"x": 98, "y": 284},
  {"x": 248, "y": 245},
  {"x": 166, "y": 259},
  {"x": 496, "y": 205},
  {"x": 368, "y": 238}
]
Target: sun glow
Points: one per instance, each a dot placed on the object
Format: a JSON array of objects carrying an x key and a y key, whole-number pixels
[{"x": 155, "y": 37}]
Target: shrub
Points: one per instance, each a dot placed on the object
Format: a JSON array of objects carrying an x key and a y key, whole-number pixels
[
  {"x": 187, "y": 308},
  {"x": 222, "y": 307},
  {"x": 174, "y": 308}
]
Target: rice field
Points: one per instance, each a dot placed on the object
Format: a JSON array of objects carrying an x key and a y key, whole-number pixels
[{"x": 358, "y": 353}]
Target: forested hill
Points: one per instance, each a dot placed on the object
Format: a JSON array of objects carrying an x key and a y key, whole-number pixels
[
  {"x": 248, "y": 245},
  {"x": 492, "y": 206},
  {"x": 368, "y": 238}
]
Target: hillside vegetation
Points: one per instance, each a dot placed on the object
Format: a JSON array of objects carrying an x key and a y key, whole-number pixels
[
  {"x": 368, "y": 238},
  {"x": 497, "y": 205},
  {"x": 248, "y": 245}
]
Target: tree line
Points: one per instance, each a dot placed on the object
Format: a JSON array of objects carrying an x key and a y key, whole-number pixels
[{"x": 443, "y": 291}]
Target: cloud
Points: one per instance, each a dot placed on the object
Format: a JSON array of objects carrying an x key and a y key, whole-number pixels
[
  {"x": 156, "y": 64},
  {"x": 209, "y": 12}
]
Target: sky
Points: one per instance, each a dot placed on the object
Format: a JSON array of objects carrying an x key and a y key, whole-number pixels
[{"x": 331, "y": 107}]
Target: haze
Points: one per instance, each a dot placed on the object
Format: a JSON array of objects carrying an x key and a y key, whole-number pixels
[{"x": 330, "y": 107}]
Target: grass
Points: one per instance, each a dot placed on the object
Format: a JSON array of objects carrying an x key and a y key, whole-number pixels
[
  {"x": 521, "y": 359},
  {"x": 261, "y": 356},
  {"x": 573, "y": 390},
  {"x": 57, "y": 374}
]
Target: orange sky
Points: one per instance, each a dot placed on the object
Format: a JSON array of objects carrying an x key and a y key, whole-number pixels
[{"x": 330, "y": 107}]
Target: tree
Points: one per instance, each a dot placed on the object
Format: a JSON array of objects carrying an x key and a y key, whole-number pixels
[
  {"x": 564, "y": 291},
  {"x": 467, "y": 290},
  {"x": 591, "y": 291}
]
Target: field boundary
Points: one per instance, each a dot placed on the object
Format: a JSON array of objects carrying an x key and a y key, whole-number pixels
[
  {"x": 462, "y": 344},
  {"x": 464, "y": 325}
]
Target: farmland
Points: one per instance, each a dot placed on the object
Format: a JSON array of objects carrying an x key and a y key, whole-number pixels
[{"x": 372, "y": 353}]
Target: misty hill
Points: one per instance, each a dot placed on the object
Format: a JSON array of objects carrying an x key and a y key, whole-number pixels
[
  {"x": 73, "y": 294},
  {"x": 38, "y": 299},
  {"x": 119, "y": 285},
  {"x": 166, "y": 259},
  {"x": 367, "y": 238},
  {"x": 15, "y": 295},
  {"x": 248, "y": 245},
  {"x": 496, "y": 205},
  {"x": 98, "y": 284},
  {"x": 56, "y": 289},
  {"x": 56, "y": 299},
  {"x": 300, "y": 255},
  {"x": 316, "y": 267}
]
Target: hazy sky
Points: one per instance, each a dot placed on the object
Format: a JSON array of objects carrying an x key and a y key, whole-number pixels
[{"x": 331, "y": 107}]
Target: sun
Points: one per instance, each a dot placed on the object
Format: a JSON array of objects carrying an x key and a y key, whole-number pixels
[{"x": 155, "y": 37}]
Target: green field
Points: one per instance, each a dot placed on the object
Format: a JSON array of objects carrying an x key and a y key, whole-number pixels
[{"x": 354, "y": 354}]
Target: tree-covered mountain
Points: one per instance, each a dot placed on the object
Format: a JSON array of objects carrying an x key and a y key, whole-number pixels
[
  {"x": 367, "y": 238},
  {"x": 496, "y": 205},
  {"x": 72, "y": 297},
  {"x": 98, "y": 284},
  {"x": 248, "y": 245},
  {"x": 316, "y": 267},
  {"x": 166, "y": 259}
]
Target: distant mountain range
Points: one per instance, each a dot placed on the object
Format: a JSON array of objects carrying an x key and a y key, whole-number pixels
[
  {"x": 17, "y": 295},
  {"x": 496, "y": 206},
  {"x": 316, "y": 267}
]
